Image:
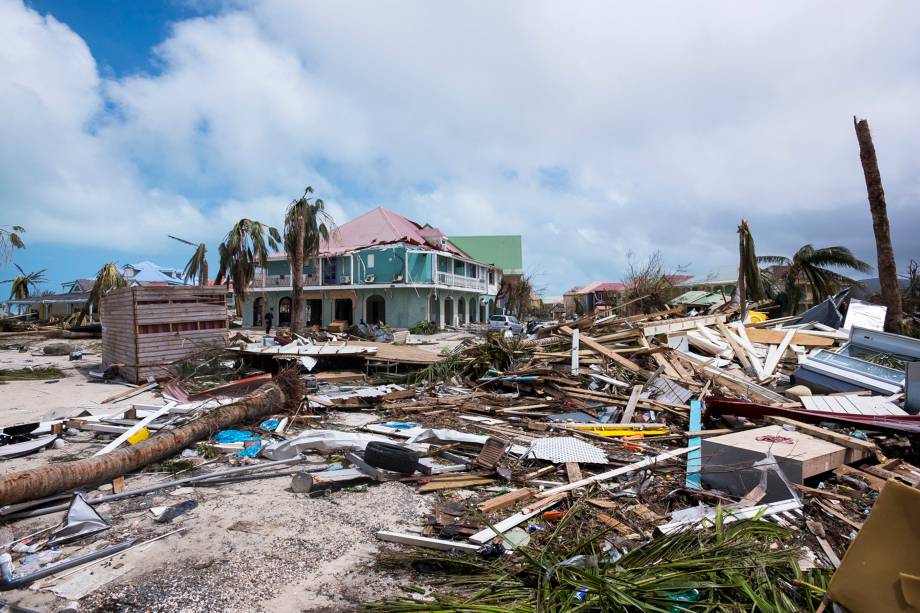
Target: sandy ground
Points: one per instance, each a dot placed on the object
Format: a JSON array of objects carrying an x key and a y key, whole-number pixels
[
  {"x": 251, "y": 546},
  {"x": 23, "y": 401}
]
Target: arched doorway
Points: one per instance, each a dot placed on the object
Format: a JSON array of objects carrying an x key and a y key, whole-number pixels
[
  {"x": 284, "y": 311},
  {"x": 483, "y": 316},
  {"x": 258, "y": 309},
  {"x": 461, "y": 310},
  {"x": 375, "y": 310},
  {"x": 448, "y": 311},
  {"x": 434, "y": 314},
  {"x": 472, "y": 303}
]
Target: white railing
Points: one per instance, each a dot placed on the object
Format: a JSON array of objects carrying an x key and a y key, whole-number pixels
[
  {"x": 445, "y": 278},
  {"x": 266, "y": 281}
]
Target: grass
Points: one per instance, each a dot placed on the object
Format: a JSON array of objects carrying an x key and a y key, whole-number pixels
[
  {"x": 30, "y": 374},
  {"x": 748, "y": 565}
]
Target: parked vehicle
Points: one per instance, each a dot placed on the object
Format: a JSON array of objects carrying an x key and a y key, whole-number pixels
[{"x": 500, "y": 323}]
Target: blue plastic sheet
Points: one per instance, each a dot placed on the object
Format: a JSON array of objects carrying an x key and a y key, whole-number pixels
[
  {"x": 270, "y": 424},
  {"x": 250, "y": 452},
  {"x": 400, "y": 425},
  {"x": 234, "y": 436}
]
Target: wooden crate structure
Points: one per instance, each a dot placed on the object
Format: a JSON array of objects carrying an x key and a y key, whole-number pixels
[{"x": 145, "y": 329}]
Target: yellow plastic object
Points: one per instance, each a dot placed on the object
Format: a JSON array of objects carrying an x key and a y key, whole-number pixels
[
  {"x": 141, "y": 435},
  {"x": 617, "y": 430},
  {"x": 756, "y": 317}
]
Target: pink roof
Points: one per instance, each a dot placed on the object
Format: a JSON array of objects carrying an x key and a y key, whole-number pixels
[
  {"x": 601, "y": 286},
  {"x": 380, "y": 227}
]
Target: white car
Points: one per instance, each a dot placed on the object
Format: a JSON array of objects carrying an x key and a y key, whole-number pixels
[{"x": 500, "y": 323}]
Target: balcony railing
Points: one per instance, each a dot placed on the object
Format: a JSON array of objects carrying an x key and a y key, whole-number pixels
[
  {"x": 267, "y": 281},
  {"x": 442, "y": 278},
  {"x": 445, "y": 278}
]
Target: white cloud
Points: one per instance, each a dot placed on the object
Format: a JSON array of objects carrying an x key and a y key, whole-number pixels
[{"x": 592, "y": 130}]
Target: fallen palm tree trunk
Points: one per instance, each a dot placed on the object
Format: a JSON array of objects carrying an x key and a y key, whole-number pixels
[{"x": 46, "y": 480}]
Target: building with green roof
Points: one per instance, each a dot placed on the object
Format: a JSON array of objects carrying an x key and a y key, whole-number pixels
[{"x": 503, "y": 251}]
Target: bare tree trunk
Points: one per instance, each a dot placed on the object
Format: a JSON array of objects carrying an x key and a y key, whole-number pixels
[
  {"x": 204, "y": 273},
  {"x": 54, "y": 478},
  {"x": 887, "y": 269},
  {"x": 742, "y": 291},
  {"x": 297, "y": 312}
]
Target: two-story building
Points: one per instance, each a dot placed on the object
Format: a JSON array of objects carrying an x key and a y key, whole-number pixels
[{"x": 380, "y": 268}]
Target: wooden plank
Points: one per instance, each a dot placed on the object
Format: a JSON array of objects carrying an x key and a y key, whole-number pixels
[
  {"x": 573, "y": 471},
  {"x": 865, "y": 447},
  {"x": 134, "y": 430},
  {"x": 816, "y": 492},
  {"x": 834, "y": 512},
  {"x": 486, "y": 535},
  {"x": 740, "y": 351},
  {"x": 434, "y": 486},
  {"x": 678, "y": 325},
  {"x": 129, "y": 392},
  {"x": 874, "y": 482},
  {"x": 775, "y": 337},
  {"x": 604, "y": 351},
  {"x": 773, "y": 359},
  {"x": 505, "y": 500},
  {"x": 424, "y": 541},
  {"x": 630, "y": 409},
  {"x": 610, "y": 474}
]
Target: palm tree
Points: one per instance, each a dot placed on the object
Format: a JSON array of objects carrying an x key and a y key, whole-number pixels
[
  {"x": 108, "y": 279},
  {"x": 23, "y": 284},
  {"x": 887, "y": 269},
  {"x": 750, "y": 281},
  {"x": 10, "y": 239},
  {"x": 306, "y": 225},
  {"x": 197, "y": 265},
  {"x": 810, "y": 265},
  {"x": 245, "y": 248}
]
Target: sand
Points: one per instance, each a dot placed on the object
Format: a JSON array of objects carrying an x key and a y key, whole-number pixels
[{"x": 251, "y": 546}]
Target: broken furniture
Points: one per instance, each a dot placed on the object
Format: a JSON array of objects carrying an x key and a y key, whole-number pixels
[{"x": 728, "y": 459}]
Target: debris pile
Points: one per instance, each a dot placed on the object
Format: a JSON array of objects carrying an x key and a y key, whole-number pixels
[{"x": 654, "y": 462}]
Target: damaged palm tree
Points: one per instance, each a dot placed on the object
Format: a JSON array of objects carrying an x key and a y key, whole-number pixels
[
  {"x": 284, "y": 393},
  {"x": 108, "y": 279}
]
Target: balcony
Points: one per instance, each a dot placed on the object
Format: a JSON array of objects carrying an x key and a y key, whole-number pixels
[
  {"x": 445, "y": 278},
  {"x": 269, "y": 281}
]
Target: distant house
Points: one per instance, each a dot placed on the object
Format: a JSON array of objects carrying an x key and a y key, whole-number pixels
[
  {"x": 75, "y": 293},
  {"x": 588, "y": 298},
  {"x": 147, "y": 273},
  {"x": 380, "y": 267}
]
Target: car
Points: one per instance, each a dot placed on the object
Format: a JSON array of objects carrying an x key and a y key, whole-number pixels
[{"x": 500, "y": 323}]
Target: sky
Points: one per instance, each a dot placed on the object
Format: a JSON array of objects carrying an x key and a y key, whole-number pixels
[{"x": 599, "y": 131}]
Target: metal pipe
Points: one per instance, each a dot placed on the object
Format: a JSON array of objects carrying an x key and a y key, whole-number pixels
[
  {"x": 266, "y": 475},
  {"x": 8, "y": 581},
  {"x": 158, "y": 486}
]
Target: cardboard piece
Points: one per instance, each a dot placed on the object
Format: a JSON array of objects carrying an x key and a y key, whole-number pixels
[{"x": 881, "y": 569}]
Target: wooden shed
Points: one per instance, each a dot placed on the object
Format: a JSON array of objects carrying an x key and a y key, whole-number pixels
[{"x": 145, "y": 329}]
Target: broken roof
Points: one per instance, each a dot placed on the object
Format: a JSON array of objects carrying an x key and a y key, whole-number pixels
[{"x": 381, "y": 226}]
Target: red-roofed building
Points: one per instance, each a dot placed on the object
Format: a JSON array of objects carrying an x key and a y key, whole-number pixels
[{"x": 381, "y": 267}]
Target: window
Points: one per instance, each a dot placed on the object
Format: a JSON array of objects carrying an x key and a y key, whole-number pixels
[
  {"x": 370, "y": 260},
  {"x": 491, "y": 276},
  {"x": 497, "y": 318}
]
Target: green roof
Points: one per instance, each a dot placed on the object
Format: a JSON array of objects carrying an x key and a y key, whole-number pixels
[
  {"x": 700, "y": 298},
  {"x": 503, "y": 251}
]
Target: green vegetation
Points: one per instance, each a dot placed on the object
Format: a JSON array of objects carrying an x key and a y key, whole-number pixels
[
  {"x": 748, "y": 565},
  {"x": 30, "y": 374}
]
